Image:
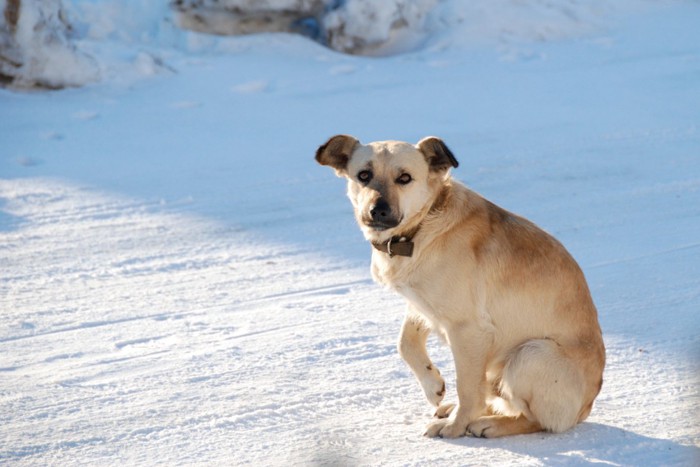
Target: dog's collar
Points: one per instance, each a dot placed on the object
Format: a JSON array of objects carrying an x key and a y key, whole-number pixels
[
  {"x": 399, "y": 245},
  {"x": 395, "y": 246}
]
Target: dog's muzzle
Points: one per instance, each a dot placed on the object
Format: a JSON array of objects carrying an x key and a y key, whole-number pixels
[{"x": 381, "y": 216}]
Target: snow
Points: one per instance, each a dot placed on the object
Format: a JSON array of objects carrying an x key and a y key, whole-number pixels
[
  {"x": 40, "y": 49},
  {"x": 182, "y": 284},
  {"x": 378, "y": 28}
]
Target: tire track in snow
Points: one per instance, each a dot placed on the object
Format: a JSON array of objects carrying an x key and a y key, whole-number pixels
[
  {"x": 646, "y": 256},
  {"x": 335, "y": 289},
  {"x": 240, "y": 305}
]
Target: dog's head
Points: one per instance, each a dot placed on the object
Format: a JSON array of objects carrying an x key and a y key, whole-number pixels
[{"x": 392, "y": 185}]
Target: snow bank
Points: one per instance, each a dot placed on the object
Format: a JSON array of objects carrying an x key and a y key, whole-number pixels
[
  {"x": 369, "y": 27},
  {"x": 350, "y": 26},
  {"x": 58, "y": 43},
  {"x": 234, "y": 17},
  {"x": 35, "y": 49},
  {"x": 379, "y": 28}
]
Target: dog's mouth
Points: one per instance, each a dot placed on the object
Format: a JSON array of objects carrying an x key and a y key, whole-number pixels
[{"x": 381, "y": 226}]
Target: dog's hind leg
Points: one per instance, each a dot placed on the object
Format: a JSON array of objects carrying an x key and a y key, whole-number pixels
[
  {"x": 495, "y": 426},
  {"x": 414, "y": 335},
  {"x": 542, "y": 383}
]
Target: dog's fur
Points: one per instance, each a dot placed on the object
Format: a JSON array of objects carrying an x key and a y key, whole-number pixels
[{"x": 507, "y": 297}]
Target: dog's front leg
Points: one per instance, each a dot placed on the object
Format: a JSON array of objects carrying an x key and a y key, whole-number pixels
[
  {"x": 414, "y": 334},
  {"x": 469, "y": 346}
]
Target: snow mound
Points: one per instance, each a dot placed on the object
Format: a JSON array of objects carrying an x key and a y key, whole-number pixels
[
  {"x": 234, "y": 17},
  {"x": 58, "y": 43},
  {"x": 368, "y": 27},
  {"x": 364, "y": 27},
  {"x": 35, "y": 49},
  {"x": 377, "y": 28}
]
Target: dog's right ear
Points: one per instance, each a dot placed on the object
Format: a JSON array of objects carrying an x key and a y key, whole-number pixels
[{"x": 337, "y": 152}]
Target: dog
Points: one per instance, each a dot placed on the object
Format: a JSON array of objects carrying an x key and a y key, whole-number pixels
[{"x": 509, "y": 300}]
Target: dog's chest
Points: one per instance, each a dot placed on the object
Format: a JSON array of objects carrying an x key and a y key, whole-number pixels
[
  {"x": 426, "y": 307},
  {"x": 420, "y": 284}
]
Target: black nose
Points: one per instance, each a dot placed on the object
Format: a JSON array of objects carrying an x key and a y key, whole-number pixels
[{"x": 380, "y": 211}]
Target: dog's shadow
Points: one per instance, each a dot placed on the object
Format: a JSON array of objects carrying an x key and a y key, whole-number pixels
[{"x": 593, "y": 443}]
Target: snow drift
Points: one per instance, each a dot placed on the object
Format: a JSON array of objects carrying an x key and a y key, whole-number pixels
[
  {"x": 35, "y": 48},
  {"x": 54, "y": 43}
]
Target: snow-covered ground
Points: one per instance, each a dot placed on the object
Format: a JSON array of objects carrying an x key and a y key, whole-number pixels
[{"x": 181, "y": 284}]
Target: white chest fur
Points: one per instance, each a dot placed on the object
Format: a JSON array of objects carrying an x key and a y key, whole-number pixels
[{"x": 418, "y": 281}]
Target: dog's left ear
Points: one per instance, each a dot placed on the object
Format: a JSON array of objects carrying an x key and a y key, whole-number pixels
[
  {"x": 438, "y": 155},
  {"x": 336, "y": 152}
]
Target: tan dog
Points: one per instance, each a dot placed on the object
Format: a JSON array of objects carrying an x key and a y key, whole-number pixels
[{"x": 510, "y": 301}]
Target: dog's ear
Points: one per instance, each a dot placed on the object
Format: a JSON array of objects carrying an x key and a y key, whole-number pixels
[
  {"x": 336, "y": 152},
  {"x": 438, "y": 155}
]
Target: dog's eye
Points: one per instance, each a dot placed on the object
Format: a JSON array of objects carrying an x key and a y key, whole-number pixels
[
  {"x": 404, "y": 179},
  {"x": 364, "y": 176}
]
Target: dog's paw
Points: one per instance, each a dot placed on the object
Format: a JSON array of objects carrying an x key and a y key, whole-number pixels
[
  {"x": 445, "y": 428},
  {"x": 480, "y": 428},
  {"x": 444, "y": 410},
  {"x": 433, "y": 385}
]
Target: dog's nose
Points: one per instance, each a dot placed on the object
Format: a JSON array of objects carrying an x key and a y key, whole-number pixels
[{"x": 380, "y": 211}]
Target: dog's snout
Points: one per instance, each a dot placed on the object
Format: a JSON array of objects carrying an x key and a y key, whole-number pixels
[
  {"x": 380, "y": 216},
  {"x": 381, "y": 210}
]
